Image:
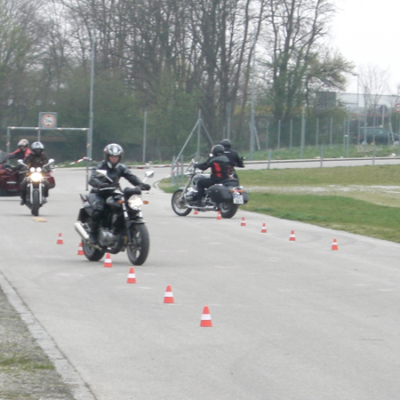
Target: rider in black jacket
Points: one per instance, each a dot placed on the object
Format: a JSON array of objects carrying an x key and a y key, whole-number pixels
[
  {"x": 37, "y": 158},
  {"x": 233, "y": 156},
  {"x": 115, "y": 170},
  {"x": 220, "y": 169}
]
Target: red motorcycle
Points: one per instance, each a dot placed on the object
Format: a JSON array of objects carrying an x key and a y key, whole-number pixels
[{"x": 11, "y": 177}]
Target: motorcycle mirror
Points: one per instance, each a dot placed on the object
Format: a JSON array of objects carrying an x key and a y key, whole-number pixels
[
  {"x": 21, "y": 162},
  {"x": 51, "y": 161},
  {"x": 149, "y": 174},
  {"x": 102, "y": 173}
]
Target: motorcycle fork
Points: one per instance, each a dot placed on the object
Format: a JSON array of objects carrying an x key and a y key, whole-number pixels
[
  {"x": 126, "y": 219},
  {"x": 31, "y": 190}
]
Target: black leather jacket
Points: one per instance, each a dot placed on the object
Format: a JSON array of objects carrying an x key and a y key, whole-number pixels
[
  {"x": 220, "y": 167},
  {"x": 115, "y": 174},
  {"x": 234, "y": 158}
]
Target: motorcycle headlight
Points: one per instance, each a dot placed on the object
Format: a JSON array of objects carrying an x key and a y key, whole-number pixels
[
  {"x": 135, "y": 202},
  {"x": 36, "y": 177}
]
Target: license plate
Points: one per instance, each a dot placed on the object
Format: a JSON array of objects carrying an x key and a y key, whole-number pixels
[{"x": 237, "y": 198}]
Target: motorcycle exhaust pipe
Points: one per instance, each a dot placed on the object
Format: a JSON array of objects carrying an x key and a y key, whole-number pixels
[{"x": 81, "y": 230}]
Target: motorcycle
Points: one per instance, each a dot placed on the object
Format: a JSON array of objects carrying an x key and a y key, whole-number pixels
[
  {"x": 122, "y": 227},
  {"x": 36, "y": 178},
  {"x": 225, "y": 197}
]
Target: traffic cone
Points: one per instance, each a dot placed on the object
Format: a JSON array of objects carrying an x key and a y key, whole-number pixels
[
  {"x": 60, "y": 239},
  {"x": 263, "y": 228},
  {"x": 196, "y": 212},
  {"x": 243, "y": 223},
  {"x": 169, "y": 297},
  {"x": 335, "y": 245},
  {"x": 107, "y": 261},
  {"x": 80, "y": 250},
  {"x": 292, "y": 237},
  {"x": 131, "y": 276},
  {"x": 206, "y": 318},
  {"x": 219, "y": 215}
]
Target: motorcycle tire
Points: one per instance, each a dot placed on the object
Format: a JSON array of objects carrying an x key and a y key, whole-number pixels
[
  {"x": 91, "y": 253},
  {"x": 138, "y": 250},
  {"x": 227, "y": 209},
  {"x": 35, "y": 203},
  {"x": 179, "y": 205}
]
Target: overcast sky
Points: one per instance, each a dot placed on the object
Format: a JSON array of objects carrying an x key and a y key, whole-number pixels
[{"x": 367, "y": 33}]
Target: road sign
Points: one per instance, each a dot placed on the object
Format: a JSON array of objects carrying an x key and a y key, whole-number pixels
[
  {"x": 397, "y": 107},
  {"x": 47, "y": 120}
]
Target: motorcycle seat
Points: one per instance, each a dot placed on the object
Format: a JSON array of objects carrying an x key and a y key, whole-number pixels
[{"x": 230, "y": 182}]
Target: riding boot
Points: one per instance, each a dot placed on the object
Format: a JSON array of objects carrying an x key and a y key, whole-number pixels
[{"x": 94, "y": 228}]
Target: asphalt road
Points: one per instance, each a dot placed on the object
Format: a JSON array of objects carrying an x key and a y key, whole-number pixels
[{"x": 291, "y": 320}]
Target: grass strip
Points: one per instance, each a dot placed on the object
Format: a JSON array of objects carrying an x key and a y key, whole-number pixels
[{"x": 333, "y": 212}]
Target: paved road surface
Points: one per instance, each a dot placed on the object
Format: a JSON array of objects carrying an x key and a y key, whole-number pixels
[{"x": 291, "y": 319}]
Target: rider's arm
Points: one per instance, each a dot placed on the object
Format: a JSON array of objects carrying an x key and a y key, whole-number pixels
[
  {"x": 94, "y": 181},
  {"x": 14, "y": 154}
]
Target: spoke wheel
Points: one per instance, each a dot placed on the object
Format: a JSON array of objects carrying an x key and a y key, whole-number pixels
[{"x": 179, "y": 204}]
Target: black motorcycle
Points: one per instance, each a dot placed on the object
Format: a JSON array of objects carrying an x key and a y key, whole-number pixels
[
  {"x": 122, "y": 227},
  {"x": 225, "y": 197},
  {"x": 37, "y": 178}
]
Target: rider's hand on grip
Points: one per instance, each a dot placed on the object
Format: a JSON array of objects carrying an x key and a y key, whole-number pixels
[{"x": 144, "y": 186}]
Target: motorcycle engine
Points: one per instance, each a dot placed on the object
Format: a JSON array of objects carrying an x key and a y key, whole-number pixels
[{"x": 106, "y": 237}]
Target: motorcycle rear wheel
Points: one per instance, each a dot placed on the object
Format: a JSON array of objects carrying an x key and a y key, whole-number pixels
[
  {"x": 227, "y": 209},
  {"x": 35, "y": 203},
  {"x": 91, "y": 253},
  {"x": 138, "y": 250},
  {"x": 179, "y": 204}
]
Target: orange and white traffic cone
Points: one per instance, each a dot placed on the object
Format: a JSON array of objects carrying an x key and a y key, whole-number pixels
[
  {"x": 263, "y": 228},
  {"x": 335, "y": 245},
  {"x": 169, "y": 297},
  {"x": 292, "y": 237},
  {"x": 206, "y": 318},
  {"x": 219, "y": 215},
  {"x": 243, "y": 223},
  {"x": 80, "y": 250},
  {"x": 131, "y": 276},
  {"x": 107, "y": 261},
  {"x": 60, "y": 239},
  {"x": 196, "y": 212}
]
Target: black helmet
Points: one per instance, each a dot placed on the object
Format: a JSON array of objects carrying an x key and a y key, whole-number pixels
[
  {"x": 217, "y": 150},
  {"x": 226, "y": 143},
  {"x": 113, "y": 149},
  {"x": 37, "y": 148},
  {"x": 23, "y": 143}
]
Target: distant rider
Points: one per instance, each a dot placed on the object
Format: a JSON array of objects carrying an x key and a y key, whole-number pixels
[
  {"x": 22, "y": 151},
  {"x": 37, "y": 158},
  {"x": 220, "y": 169},
  {"x": 115, "y": 170},
  {"x": 233, "y": 156}
]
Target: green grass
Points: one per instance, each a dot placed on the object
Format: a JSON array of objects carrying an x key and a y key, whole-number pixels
[
  {"x": 333, "y": 212},
  {"x": 361, "y": 212}
]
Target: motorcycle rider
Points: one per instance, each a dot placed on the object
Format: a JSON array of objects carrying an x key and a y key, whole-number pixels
[
  {"x": 22, "y": 151},
  {"x": 233, "y": 156},
  {"x": 220, "y": 170},
  {"x": 37, "y": 158},
  {"x": 115, "y": 170}
]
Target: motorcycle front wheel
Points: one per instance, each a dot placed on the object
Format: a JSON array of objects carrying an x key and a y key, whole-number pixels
[
  {"x": 35, "y": 203},
  {"x": 138, "y": 249},
  {"x": 91, "y": 253},
  {"x": 227, "y": 209},
  {"x": 179, "y": 204}
]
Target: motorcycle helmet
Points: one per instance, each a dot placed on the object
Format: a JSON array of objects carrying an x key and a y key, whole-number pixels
[
  {"x": 23, "y": 144},
  {"x": 37, "y": 148},
  {"x": 115, "y": 150},
  {"x": 217, "y": 150},
  {"x": 226, "y": 143}
]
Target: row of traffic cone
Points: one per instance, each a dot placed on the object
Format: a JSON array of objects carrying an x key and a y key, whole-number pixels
[
  {"x": 205, "y": 318},
  {"x": 335, "y": 246}
]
